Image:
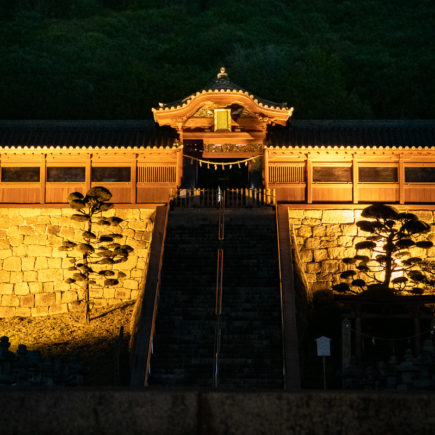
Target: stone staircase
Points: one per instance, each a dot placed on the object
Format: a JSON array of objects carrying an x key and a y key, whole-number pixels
[{"x": 184, "y": 340}]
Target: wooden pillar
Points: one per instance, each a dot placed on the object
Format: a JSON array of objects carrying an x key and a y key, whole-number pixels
[
  {"x": 42, "y": 179},
  {"x": 266, "y": 168},
  {"x": 346, "y": 346},
  {"x": 309, "y": 167},
  {"x": 133, "y": 180},
  {"x": 355, "y": 180},
  {"x": 179, "y": 167},
  {"x": 88, "y": 172},
  {"x": 401, "y": 180},
  {"x": 358, "y": 331}
]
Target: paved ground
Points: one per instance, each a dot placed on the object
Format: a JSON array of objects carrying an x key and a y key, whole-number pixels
[{"x": 95, "y": 345}]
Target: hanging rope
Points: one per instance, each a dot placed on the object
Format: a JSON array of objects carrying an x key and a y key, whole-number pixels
[
  {"x": 221, "y": 164},
  {"x": 408, "y": 337}
]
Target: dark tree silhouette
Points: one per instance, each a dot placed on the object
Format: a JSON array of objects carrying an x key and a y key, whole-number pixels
[
  {"x": 384, "y": 257},
  {"x": 96, "y": 250}
]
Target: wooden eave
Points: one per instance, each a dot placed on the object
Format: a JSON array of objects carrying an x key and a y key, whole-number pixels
[{"x": 175, "y": 117}]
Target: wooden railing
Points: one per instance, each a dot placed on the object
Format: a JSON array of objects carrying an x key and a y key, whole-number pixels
[
  {"x": 145, "y": 313},
  {"x": 232, "y": 198}
]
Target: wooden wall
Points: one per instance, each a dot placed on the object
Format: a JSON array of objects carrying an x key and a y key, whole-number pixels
[
  {"x": 322, "y": 175},
  {"x": 146, "y": 175}
]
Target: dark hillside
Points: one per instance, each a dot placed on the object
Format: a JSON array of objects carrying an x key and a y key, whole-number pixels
[{"x": 109, "y": 59}]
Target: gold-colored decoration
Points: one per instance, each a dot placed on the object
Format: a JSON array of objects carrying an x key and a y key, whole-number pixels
[
  {"x": 222, "y": 120},
  {"x": 222, "y": 73},
  {"x": 231, "y": 148}
]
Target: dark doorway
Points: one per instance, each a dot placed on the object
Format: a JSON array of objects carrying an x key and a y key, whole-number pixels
[
  {"x": 211, "y": 176},
  {"x": 192, "y": 148}
]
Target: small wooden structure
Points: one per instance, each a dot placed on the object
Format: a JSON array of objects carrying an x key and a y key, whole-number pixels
[{"x": 220, "y": 127}]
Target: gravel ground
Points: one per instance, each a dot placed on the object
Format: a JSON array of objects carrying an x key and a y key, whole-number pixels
[{"x": 95, "y": 346}]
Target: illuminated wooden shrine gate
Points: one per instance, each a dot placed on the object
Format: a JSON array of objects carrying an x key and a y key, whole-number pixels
[{"x": 221, "y": 136}]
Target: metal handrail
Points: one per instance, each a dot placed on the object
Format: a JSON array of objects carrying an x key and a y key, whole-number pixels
[
  {"x": 243, "y": 197},
  {"x": 219, "y": 290}
]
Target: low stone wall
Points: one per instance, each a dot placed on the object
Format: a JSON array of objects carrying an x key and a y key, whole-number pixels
[
  {"x": 33, "y": 269},
  {"x": 79, "y": 411},
  {"x": 325, "y": 237}
]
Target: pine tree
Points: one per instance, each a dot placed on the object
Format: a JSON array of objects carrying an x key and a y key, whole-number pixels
[
  {"x": 97, "y": 253},
  {"x": 384, "y": 257}
]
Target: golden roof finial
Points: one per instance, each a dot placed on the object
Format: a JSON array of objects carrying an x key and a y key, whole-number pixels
[{"x": 222, "y": 73}]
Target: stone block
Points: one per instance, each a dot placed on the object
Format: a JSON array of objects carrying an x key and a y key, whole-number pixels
[
  {"x": 23, "y": 312},
  {"x": 338, "y": 216},
  {"x": 35, "y": 287},
  {"x": 311, "y": 277},
  {"x": 4, "y": 244},
  {"x": 29, "y": 212},
  {"x": 20, "y": 251},
  {"x": 134, "y": 294},
  {"x": 122, "y": 294},
  {"x": 6, "y": 288},
  {"x": 96, "y": 293},
  {"x": 54, "y": 263},
  {"x": 130, "y": 284},
  {"x": 336, "y": 253},
  {"x": 27, "y": 301},
  {"x": 313, "y": 267},
  {"x": 424, "y": 215},
  {"x": 5, "y": 253},
  {"x": 30, "y": 275},
  {"x": 12, "y": 264},
  {"x": 108, "y": 292},
  {"x": 51, "y": 212},
  {"x": 312, "y": 243},
  {"x": 321, "y": 285},
  {"x": 39, "y": 311},
  {"x": 58, "y": 309},
  {"x": 69, "y": 296},
  {"x": 4, "y": 276},
  {"x": 319, "y": 231},
  {"x": 26, "y": 230},
  {"x": 10, "y": 301},
  {"x": 40, "y": 250},
  {"x": 48, "y": 275},
  {"x": 74, "y": 306},
  {"x": 311, "y": 221},
  {"x": 53, "y": 229},
  {"x": 16, "y": 277},
  {"x": 314, "y": 214},
  {"x": 4, "y": 222},
  {"x": 349, "y": 230},
  {"x": 44, "y": 299},
  {"x": 329, "y": 266},
  {"x": 16, "y": 240},
  {"x": 345, "y": 241},
  {"x": 47, "y": 287},
  {"x": 296, "y": 214},
  {"x": 7, "y": 311},
  {"x": 320, "y": 254},
  {"x": 328, "y": 242},
  {"x": 129, "y": 264},
  {"x": 28, "y": 263},
  {"x": 21, "y": 288},
  {"x": 306, "y": 255},
  {"x": 333, "y": 231},
  {"x": 305, "y": 231}
]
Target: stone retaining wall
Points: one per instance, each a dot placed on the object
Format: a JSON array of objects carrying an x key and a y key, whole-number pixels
[
  {"x": 33, "y": 269},
  {"x": 325, "y": 237},
  {"x": 160, "y": 412}
]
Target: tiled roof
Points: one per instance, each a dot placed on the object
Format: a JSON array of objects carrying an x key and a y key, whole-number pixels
[
  {"x": 404, "y": 133},
  {"x": 222, "y": 83},
  {"x": 85, "y": 134}
]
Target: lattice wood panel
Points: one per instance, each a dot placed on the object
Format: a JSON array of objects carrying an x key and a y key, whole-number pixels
[
  {"x": 287, "y": 174},
  {"x": 156, "y": 174}
]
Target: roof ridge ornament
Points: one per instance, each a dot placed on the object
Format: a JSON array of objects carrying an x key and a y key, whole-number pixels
[{"x": 222, "y": 73}]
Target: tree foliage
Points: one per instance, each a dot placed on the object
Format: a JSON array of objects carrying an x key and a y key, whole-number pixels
[
  {"x": 98, "y": 252},
  {"x": 385, "y": 259},
  {"x": 115, "y": 59}
]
